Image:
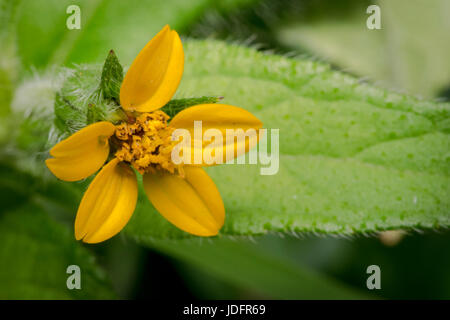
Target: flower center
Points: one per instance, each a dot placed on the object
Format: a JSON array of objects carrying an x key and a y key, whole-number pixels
[{"x": 146, "y": 144}]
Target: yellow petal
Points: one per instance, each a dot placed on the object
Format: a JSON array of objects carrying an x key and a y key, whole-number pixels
[
  {"x": 220, "y": 117},
  {"x": 155, "y": 74},
  {"x": 81, "y": 154},
  {"x": 107, "y": 204},
  {"x": 192, "y": 203}
]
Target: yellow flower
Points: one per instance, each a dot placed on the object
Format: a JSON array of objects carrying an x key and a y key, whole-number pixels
[{"x": 184, "y": 194}]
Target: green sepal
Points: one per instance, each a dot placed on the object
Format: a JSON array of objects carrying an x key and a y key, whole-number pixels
[
  {"x": 80, "y": 102},
  {"x": 176, "y": 105},
  {"x": 88, "y": 96},
  {"x": 112, "y": 77}
]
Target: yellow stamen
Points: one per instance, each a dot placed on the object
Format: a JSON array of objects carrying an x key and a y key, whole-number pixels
[{"x": 147, "y": 144}]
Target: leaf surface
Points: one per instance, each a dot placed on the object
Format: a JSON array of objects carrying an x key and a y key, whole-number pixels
[{"x": 353, "y": 158}]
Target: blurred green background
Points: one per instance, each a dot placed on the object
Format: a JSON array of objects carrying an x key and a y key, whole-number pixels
[{"x": 409, "y": 54}]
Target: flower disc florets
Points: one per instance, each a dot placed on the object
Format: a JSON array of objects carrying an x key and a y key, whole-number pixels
[{"x": 146, "y": 143}]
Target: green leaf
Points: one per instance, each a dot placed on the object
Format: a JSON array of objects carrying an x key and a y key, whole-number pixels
[
  {"x": 254, "y": 267},
  {"x": 35, "y": 254},
  {"x": 410, "y": 51},
  {"x": 353, "y": 158},
  {"x": 125, "y": 26},
  {"x": 36, "y": 250},
  {"x": 9, "y": 62}
]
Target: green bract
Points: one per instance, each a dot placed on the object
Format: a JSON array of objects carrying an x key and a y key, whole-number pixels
[{"x": 90, "y": 94}]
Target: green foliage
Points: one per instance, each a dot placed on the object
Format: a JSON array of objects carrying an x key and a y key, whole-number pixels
[
  {"x": 36, "y": 250},
  {"x": 353, "y": 158},
  {"x": 35, "y": 255},
  {"x": 409, "y": 52},
  {"x": 249, "y": 264},
  {"x": 8, "y": 59},
  {"x": 125, "y": 26}
]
